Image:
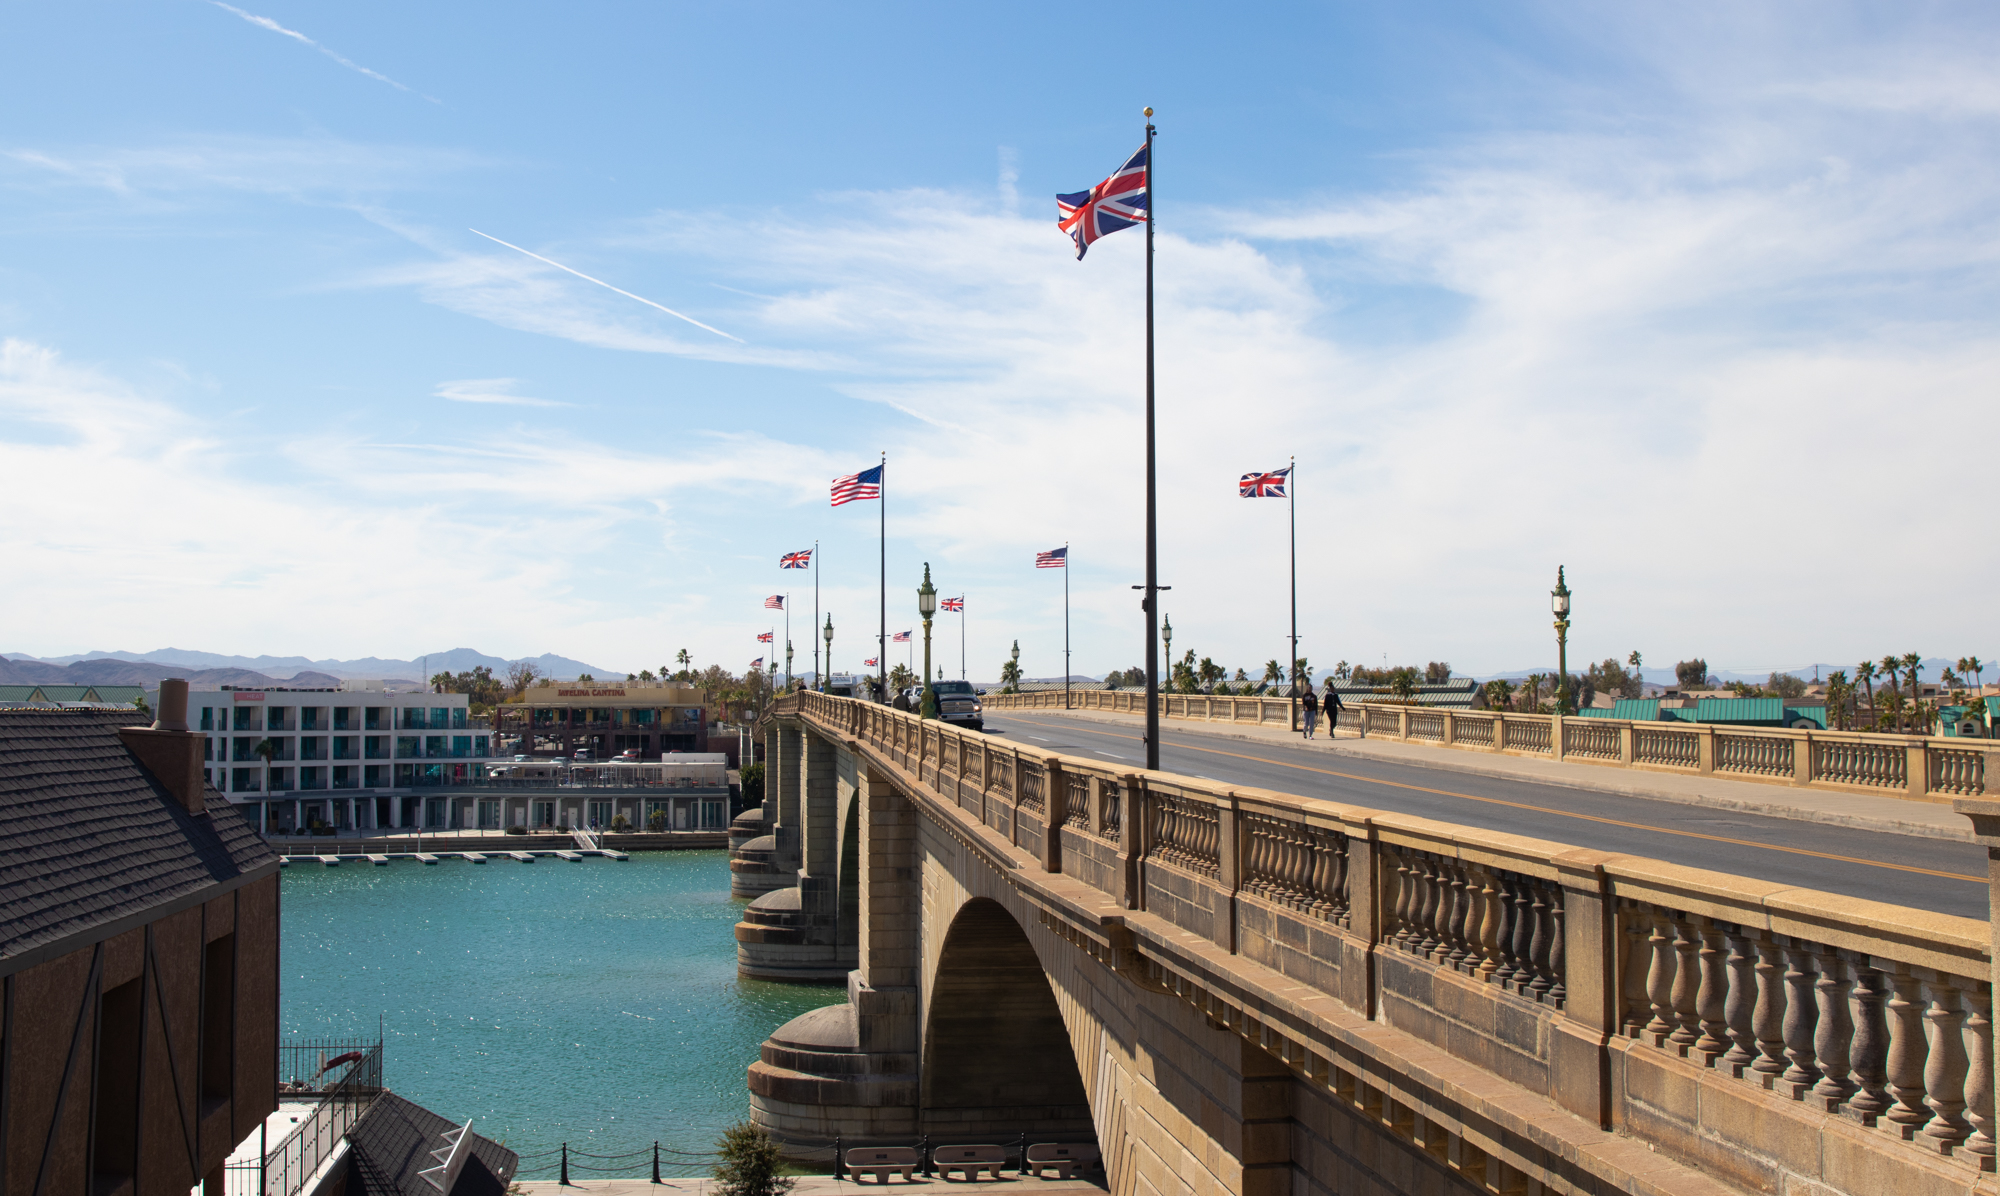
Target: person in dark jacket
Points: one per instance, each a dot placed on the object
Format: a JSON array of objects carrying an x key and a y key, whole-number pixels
[
  {"x": 1333, "y": 708},
  {"x": 902, "y": 701},
  {"x": 1311, "y": 711}
]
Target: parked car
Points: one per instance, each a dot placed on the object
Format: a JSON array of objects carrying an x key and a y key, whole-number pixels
[{"x": 583, "y": 755}]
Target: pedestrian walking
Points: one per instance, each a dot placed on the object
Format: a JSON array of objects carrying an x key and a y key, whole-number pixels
[
  {"x": 1333, "y": 708},
  {"x": 1311, "y": 711}
]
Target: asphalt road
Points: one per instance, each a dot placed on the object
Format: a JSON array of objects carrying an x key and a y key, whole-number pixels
[{"x": 1932, "y": 874}]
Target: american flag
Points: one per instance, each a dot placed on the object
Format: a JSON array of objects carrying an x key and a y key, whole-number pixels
[
  {"x": 775, "y": 601},
  {"x": 1055, "y": 558},
  {"x": 795, "y": 560},
  {"x": 1118, "y": 202},
  {"x": 1264, "y": 485},
  {"x": 763, "y": 637},
  {"x": 871, "y": 662},
  {"x": 957, "y": 604},
  {"x": 901, "y": 637},
  {"x": 857, "y": 486},
  {"x": 757, "y": 664}
]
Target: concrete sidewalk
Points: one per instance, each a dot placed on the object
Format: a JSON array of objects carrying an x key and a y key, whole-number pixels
[{"x": 1866, "y": 811}]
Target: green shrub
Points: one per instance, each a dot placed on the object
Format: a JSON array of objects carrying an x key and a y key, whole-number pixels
[
  {"x": 750, "y": 1164},
  {"x": 658, "y": 822},
  {"x": 517, "y": 830},
  {"x": 620, "y": 825}
]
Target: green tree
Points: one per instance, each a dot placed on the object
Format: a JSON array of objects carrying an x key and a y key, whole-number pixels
[
  {"x": 520, "y": 675},
  {"x": 686, "y": 662},
  {"x": 1865, "y": 674},
  {"x": 645, "y": 675},
  {"x": 1839, "y": 694},
  {"x": 1210, "y": 672},
  {"x": 749, "y": 1163},
  {"x": 1638, "y": 675},
  {"x": 1892, "y": 677},
  {"x": 1010, "y": 677},
  {"x": 1404, "y": 684},
  {"x": 1274, "y": 673},
  {"x": 1302, "y": 671},
  {"x": 1437, "y": 672},
  {"x": 1692, "y": 674},
  {"x": 1499, "y": 694}
]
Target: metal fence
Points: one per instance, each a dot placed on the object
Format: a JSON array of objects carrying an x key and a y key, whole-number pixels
[{"x": 342, "y": 1078}]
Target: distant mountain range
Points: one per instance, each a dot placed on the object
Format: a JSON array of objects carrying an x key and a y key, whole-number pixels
[{"x": 213, "y": 668}]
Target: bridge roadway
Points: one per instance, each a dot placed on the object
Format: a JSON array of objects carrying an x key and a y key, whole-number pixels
[{"x": 1939, "y": 875}]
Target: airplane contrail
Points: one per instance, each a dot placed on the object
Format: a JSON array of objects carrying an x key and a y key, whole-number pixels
[{"x": 607, "y": 286}]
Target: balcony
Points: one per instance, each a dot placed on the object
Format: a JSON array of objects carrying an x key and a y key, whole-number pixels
[
  {"x": 375, "y": 752},
  {"x": 343, "y": 748},
  {"x": 312, "y": 749},
  {"x": 281, "y": 724}
]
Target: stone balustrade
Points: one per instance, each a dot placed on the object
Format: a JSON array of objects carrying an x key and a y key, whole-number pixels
[
  {"x": 1924, "y": 767},
  {"x": 1729, "y": 1022}
]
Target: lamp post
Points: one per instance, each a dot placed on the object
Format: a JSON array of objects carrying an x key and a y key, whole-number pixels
[
  {"x": 827, "y": 634},
  {"x": 1016, "y": 654},
  {"x": 1559, "y": 603},
  {"x": 927, "y": 606},
  {"x": 791, "y": 682},
  {"x": 1167, "y": 634}
]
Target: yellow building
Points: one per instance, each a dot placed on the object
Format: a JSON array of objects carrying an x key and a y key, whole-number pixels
[{"x": 651, "y": 718}]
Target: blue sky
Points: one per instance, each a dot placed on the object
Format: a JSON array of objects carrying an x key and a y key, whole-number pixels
[{"x": 1699, "y": 303}]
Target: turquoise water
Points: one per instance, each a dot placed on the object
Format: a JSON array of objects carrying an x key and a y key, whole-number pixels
[{"x": 595, "y": 1003}]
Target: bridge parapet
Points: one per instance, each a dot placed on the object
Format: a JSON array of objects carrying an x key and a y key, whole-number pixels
[{"x": 1760, "y": 1035}]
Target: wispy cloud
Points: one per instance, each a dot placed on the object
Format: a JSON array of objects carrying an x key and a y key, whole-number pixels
[
  {"x": 607, "y": 286},
  {"x": 295, "y": 35},
  {"x": 491, "y": 390}
]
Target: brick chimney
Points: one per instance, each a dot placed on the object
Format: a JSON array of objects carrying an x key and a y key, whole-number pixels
[{"x": 168, "y": 750}]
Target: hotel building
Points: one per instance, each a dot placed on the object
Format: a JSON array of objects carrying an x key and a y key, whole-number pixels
[
  {"x": 650, "y": 718},
  {"x": 355, "y": 757}
]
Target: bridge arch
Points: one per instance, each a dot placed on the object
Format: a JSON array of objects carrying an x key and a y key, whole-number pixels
[{"x": 996, "y": 1048}]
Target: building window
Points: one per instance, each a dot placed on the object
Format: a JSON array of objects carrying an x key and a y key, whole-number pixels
[
  {"x": 281, "y": 778},
  {"x": 461, "y": 746},
  {"x": 440, "y": 718},
  {"x": 433, "y": 747},
  {"x": 373, "y": 776},
  {"x": 479, "y": 745},
  {"x": 312, "y": 778},
  {"x": 218, "y": 1021},
  {"x": 343, "y": 776},
  {"x": 249, "y": 718},
  {"x": 372, "y": 719},
  {"x": 208, "y": 718},
  {"x": 115, "y": 1154},
  {"x": 246, "y": 780},
  {"x": 343, "y": 718},
  {"x": 308, "y": 718},
  {"x": 408, "y": 747},
  {"x": 458, "y": 718}
]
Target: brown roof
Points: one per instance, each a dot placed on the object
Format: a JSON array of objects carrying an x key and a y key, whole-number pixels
[{"x": 90, "y": 843}]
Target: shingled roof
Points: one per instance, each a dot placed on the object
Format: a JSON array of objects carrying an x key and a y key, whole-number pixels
[
  {"x": 90, "y": 843},
  {"x": 394, "y": 1140}
]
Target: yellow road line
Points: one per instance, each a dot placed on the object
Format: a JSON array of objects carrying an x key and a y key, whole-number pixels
[{"x": 1495, "y": 801}]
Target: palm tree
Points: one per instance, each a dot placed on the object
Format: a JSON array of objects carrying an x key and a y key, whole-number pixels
[
  {"x": 1838, "y": 691},
  {"x": 1865, "y": 674},
  {"x": 1973, "y": 666},
  {"x": 1892, "y": 677},
  {"x": 1274, "y": 673},
  {"x": 1913, "y": 665}
]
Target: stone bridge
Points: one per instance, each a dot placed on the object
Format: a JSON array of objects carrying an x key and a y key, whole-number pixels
[{"x": 1237, "y": 990}]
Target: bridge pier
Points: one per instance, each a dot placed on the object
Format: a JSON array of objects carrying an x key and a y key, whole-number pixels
[{"x": 802, "y": 931}]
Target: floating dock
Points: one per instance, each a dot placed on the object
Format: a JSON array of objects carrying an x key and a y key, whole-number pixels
[{"x": 383, "y": 859}]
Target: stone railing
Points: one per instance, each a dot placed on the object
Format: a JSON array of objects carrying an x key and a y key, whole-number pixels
[
  {"x": 1725, "y": 1020},
  {"x": 1930, "y": 768}
]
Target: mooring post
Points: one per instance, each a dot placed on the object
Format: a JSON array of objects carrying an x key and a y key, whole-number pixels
[
  {"x": 656, "y": 1162},
  {"x": 924, "y": 1155},
  {"x": 1023, "y": 1168},
  {"x": 565, "y": 1163},
  {"x": 838, "y": 1156}
]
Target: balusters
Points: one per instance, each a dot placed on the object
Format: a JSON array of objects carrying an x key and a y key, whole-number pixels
[
  {"x": 1538, "y": 947},
  {"x": 1558, "y": 991},
  {"x": 1944, "y": 1069},
  {"x": 1687, "y": 977},
  {"x": 1868, "y": 1056},
  {"x": 1427, "y": 917},
  {"x": 1709, "y": 998},
  {"x": 1979, "y": 1076},
  {"x": 1660, "y": 982},
  {"x": 1768, "y": 1020},
  {"x": 1800, "y": 1019},
  {"x": 1737, "y": 1007},
  {"x": 1524, "y": 936},
  {"x": 1834, "y": 1040},
  {"x": 1461, "y": 903},
  {"x": 1404, "y": 893},
  {"x": 1906, "y": 1054}
]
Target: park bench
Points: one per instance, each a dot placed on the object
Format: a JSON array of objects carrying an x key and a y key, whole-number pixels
[
  {"x": 969, "y": 1159},
  {"x": 881, "y": 1162},
  {"x": 1067, "y": 1158}
]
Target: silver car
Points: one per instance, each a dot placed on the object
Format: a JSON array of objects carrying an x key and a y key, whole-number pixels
[{"x": 959, "y": 703}]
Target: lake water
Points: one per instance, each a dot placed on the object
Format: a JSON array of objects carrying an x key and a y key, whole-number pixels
[{"x": 595, "y": 1003}]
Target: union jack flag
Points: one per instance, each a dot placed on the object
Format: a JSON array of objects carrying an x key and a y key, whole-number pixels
[
  {"x": 794, "y": 560},
  {"x": 1264, "y": 485},
  {"x": 1118, "y": 202},
  {"x": 1055, "y": 558},
  {"x": 857, "y": 486},
  {"x": 901, "y": 637},
  {"x": 763, "y": 637},
  {"x": 757, "y": 664},
  {"x": 871, "y": 662},
  {"x": 776, "y": 601},
  {"x": 957, "y": 604}
]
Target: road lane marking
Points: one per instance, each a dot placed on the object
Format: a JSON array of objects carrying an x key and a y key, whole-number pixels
[{"x": 1495, "y": 801}]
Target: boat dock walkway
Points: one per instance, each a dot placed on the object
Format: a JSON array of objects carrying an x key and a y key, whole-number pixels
[{"x": 381, "y": 859}]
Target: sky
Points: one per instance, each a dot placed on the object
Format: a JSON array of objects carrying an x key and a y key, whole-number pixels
[{"x": 1695, "y": 301}]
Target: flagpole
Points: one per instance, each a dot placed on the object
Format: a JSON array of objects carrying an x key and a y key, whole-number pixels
[
  {"x": 819, "y": 677},
  {"x": 1292, "y": 508},
  {"x": 961, "y": 637},
  {"x": 1065, "y": 624},
  {"x": 1152, "y": 512},
  {"x": 882, "y": 635}
]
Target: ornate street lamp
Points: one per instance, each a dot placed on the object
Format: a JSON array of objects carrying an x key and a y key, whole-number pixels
[
  {"x": 927, "y": 606},
  {"x": 1559, "y": 603},
  {"x": 824, "y": 687},
  {"x": 791, "y": 682},
  {"x": 1017, "y": 666},
  {"x": 1167, "y": 634}
]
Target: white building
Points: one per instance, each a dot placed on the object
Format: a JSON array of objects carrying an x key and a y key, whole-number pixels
[{"x": 353, "y": 757}]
